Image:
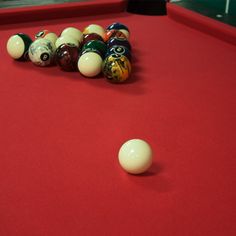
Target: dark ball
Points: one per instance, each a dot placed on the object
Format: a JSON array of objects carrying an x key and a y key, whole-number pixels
[
  {"x": 96, "y": 45},
  {"x": 120, "y": 42},
  {"x": 90, "y": 37},
  {"x": 121, "y": 27},
  {"x": 92, "y": 50},
  {"x": 66, "y": 57},
  {"x": 117, "y": 26},
  {"x": 120, "y": 50}
]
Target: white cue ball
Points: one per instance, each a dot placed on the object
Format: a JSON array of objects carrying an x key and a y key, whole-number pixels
[
  {"x": 90, "y": 64},
  {"x": 73, "y": 32},
  {"x": 135, "y": 156},
  {"x": 66, "y": 39}
]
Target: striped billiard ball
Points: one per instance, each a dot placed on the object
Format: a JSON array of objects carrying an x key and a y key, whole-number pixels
[{"x": 18, "y": 46}]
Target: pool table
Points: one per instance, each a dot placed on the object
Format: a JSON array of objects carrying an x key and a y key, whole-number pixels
[{"x": 60, "y": 132}]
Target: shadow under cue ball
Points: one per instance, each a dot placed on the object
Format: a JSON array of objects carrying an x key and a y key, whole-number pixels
[{"x": 135, "y": 156}]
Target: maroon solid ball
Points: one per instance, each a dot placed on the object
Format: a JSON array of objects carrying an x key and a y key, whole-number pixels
[
  {"x": 90, "y": 37},
  {"x": 66, "y": 57}
]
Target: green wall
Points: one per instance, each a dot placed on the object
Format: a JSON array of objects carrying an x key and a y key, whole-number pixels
[
  {"x": 232, "y": 9},
  {"x": 211, "y": 5}
]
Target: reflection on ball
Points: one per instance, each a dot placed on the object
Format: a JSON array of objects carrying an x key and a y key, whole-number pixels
[{"x": 135, "y": 156}]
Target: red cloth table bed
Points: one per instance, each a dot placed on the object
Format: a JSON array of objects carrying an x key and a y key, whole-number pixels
[{"x": 60, "y": 132}]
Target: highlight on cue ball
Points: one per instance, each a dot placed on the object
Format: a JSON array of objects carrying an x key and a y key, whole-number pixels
[{"x": 135, "y": 156}]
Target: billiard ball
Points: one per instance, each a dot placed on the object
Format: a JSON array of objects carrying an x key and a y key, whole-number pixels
[
  {"x": 66, "y": 57},
  {"x": 91, "y": 50},
  {"x": 89, "y": 37},
  {"x": 41, "y": 52},
  {"x": 113, "y": 34},
  {"x": 120, "y": 42},
  {"x": 97, "y": 45},
  {"x": 18, "y": 46},
  {"x": 121, "y": 50},
  {"x": 73, "y": 32},
  {"x": 66, "y": 39},
  {"x": 90, "y": 64},
  {"x": 94, "y": 28},
  {"x": 121, "y": 27},
  {"x": 47, "y": 35},
  {"x": 135, "y": 156},
  {"x": 116, "y": 68}
]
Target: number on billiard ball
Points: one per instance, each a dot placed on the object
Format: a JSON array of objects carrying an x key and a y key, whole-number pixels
[{"x": 41, "y": 52}]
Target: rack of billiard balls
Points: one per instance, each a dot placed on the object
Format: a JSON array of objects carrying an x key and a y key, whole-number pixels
[{"x": 92, "y": 51}]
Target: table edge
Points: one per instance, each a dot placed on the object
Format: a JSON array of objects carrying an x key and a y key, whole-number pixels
[
  {"x": 62, "y": 10},
  {"x": 202, "y": 23}
]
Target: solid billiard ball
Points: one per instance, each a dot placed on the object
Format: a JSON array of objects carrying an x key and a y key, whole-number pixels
[
  {"x": 94, "y": 28},
  {"x": 97, "y": 45},
  {"x": 41, "y": 52},
  {"x": 18, "y": 46},
  {"x": 89, "y": 37},
  {"x": 66, "y": 57},
  {"x": 120, "y": 50},
  {"x": 135, "y": 156},
  {"x": 66, "y": 39},
  {"x": 121, "y": 27},
  {"x": 90, "y": 64},
  {"x": 46, "y": 34},
  {"x": 119, "y": 41},
  {"x": 116, "y": 68},
  {"x": 113, "y": 34},
  {"x": 73, "y": 32},
  {"x": 91, "y": 50}
]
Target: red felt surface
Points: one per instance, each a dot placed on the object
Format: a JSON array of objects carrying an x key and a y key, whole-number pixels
[{"x": 60, "y": 134}]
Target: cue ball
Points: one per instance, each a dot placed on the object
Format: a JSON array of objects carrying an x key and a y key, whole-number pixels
[
  {"x": 90, "y": 64},
  {"x": 135, "y": 156}
]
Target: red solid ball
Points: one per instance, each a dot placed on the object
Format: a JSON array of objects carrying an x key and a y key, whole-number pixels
[
  {"x": 90, "y": 37},
  {"x": 67, "y": 56}
]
